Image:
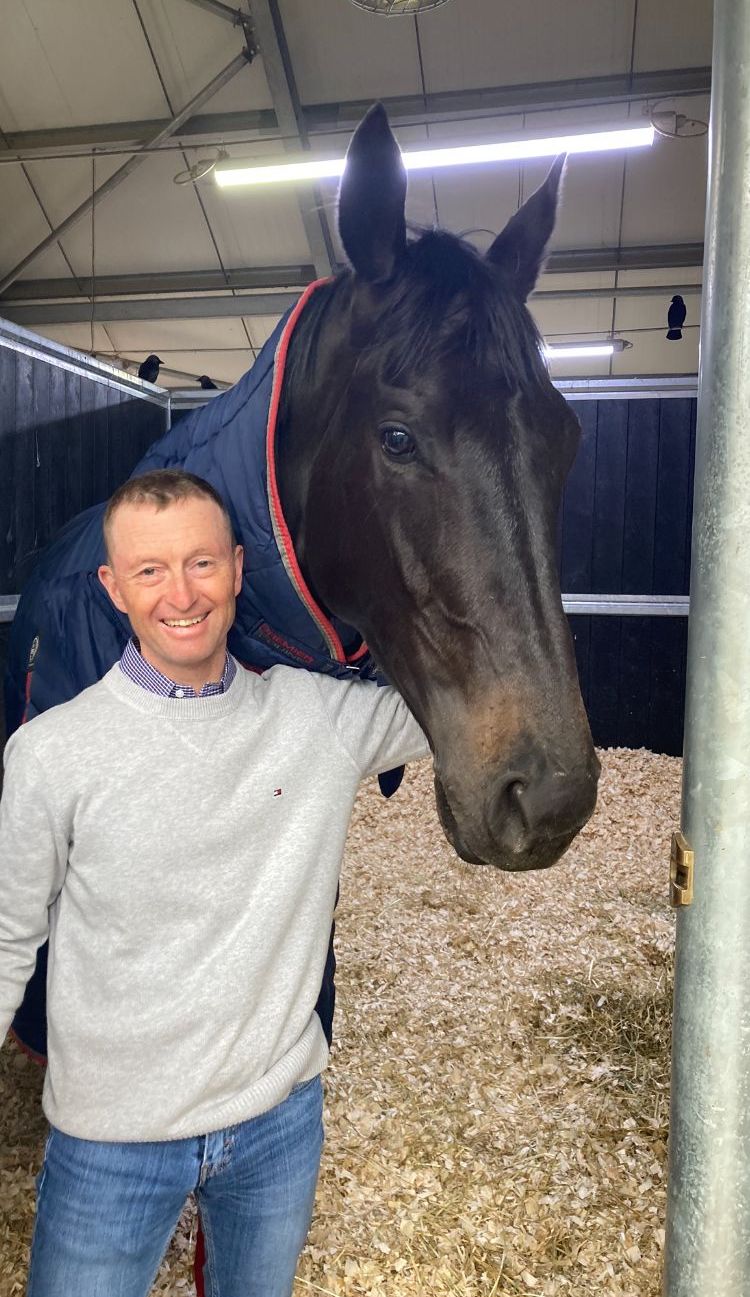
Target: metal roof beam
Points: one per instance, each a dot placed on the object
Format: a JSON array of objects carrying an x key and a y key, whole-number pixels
[
  {"x": 656, "y": 256},
  {"x": 542, "y": 96},
  {"x": 210, "y": 307},
  {"x": 186, "y": 281},
  {"x": 454, "y": 105},
  {"x": 578, "y": 261},
  {"x": 274, "y": 51},
  {"x": 160, "y": 308},
  {"x": 235, "y": 16}
]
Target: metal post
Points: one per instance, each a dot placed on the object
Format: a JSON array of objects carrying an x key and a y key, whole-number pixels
[{"x": 708, "y": 1207}]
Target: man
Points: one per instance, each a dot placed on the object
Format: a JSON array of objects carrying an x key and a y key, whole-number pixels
[{"x": 178, "y": 830}]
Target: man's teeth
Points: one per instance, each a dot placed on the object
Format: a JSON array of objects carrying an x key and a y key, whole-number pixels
[{"x": 186, "y": 621}]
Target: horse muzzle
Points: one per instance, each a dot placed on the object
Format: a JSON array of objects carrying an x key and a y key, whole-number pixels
[{"x": 526, "y": 819}]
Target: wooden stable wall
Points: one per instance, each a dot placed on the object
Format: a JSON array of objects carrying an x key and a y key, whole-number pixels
[{"x": 626, "y": 529}]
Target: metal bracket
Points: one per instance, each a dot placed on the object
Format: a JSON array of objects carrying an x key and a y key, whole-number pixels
[{"x": 681, "y": 868}]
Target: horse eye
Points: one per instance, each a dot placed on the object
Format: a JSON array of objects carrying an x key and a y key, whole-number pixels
[{"x": 396, "y": 441}]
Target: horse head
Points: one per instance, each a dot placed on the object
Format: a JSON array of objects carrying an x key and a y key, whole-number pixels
[{"x": 423, "y": 452}]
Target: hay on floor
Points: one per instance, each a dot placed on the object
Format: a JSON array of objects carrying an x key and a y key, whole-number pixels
[{"x": 498, "y": 1097}]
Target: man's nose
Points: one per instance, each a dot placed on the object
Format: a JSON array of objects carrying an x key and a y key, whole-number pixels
[{"x": 180, "y": 594}]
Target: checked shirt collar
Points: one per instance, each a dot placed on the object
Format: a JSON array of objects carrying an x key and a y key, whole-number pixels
[{"x": 142, "y": 673}]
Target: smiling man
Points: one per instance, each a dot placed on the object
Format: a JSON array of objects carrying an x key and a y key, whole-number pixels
[{"x": 177, "y": 830}]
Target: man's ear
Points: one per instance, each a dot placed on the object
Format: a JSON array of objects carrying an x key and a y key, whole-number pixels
[
  {"x": 108, "y": 580},
  {"x": 239, "y": 554}
]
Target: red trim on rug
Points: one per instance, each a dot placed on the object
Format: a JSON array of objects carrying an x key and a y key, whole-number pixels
[
  {"x": 199, "y": 1262},
  {"x": 27, "y": 696},
  {"x": 289, "y": 557},
  {"x": 360, "y": 653},
  {"x": 39, "y": 1059}
]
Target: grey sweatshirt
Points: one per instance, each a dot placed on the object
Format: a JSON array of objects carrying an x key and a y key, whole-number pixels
[{"x": 183, "y": 856}]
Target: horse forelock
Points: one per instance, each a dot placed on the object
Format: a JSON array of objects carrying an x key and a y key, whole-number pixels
[
  {"x": 448, "y": 301},
  {"x": 445, "y": 301}
]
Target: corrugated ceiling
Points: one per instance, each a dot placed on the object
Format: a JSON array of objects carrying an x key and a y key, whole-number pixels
[{"x": 91, "y": 73}]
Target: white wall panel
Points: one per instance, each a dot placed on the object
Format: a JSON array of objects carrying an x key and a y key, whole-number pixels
[
  {"x": 665, "y": 193},
  {"x": 340, "y": 52},
  {"x": 177, "y": 335},
  {"x": 673, "y": 34},
  {"x": 559, "y": 320},
  {"x": 62, "y": 64},
  {"x": 474, "y": 43},
  {"x": 146, "y": 224}
]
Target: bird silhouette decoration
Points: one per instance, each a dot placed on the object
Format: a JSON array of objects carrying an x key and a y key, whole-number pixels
[
  {"x": 676, "y": 318},
  {"x": 149, "y": 369}
]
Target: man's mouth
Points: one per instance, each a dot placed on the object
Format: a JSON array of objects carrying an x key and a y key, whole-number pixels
[{"x": 184, "y": 621}]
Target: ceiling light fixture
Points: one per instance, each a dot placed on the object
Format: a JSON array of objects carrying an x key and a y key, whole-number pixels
[
  {"x": 203, "y": 167},
  {"x": 584, "y": 350},
  {"x": 674, "y": 125},
  {"x": 548, "y": 146},
  {"x": 392, "y": 8}
]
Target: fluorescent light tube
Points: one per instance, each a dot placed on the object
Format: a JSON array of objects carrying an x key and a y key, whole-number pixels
[
  {"x": 582, "y": 350},
  {"x": 426, "y": 159}
]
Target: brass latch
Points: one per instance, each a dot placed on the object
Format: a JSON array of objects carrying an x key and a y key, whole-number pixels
[{"x": 681, "y": 864}]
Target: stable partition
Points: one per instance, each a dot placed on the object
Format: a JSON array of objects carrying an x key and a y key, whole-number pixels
[{"x": 624, "y": 539}]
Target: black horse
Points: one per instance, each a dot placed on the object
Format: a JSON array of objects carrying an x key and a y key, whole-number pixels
[{"x": 418, "y": 413}]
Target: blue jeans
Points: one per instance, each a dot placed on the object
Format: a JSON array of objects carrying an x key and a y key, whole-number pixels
[{"x": 106, "y": 1211}]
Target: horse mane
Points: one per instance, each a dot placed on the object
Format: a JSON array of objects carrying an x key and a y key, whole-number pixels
[{"x": 446, "y": 300}]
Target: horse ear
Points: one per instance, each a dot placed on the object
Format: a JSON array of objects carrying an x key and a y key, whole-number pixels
[
  {"x": 519, "y": 249},
  {"x": 372, "y": 198}
]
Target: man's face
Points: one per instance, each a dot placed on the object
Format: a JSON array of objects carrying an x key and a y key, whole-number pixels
[{"x": 176, "y": 574}]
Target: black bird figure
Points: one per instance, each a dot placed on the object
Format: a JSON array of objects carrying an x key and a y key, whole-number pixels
[
  {"x": 149, "y": 370},
  {"x": 206, "y": 384},
  {"x": 676, "y": 318}
]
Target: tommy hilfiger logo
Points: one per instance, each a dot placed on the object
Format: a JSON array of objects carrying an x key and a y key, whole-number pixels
[{"x": 277, "y": 792}]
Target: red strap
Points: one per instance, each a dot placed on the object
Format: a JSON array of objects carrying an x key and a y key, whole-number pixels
[{"x": 199, "y": 1262}]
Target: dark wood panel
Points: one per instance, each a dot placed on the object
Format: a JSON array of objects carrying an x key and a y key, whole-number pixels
[
  {"x": 640, "y": 497},
  {"x": 577, "y": 512},
  {"x": 634, "y": 674},
  {"x": 100, "y": 415},
  {"x": 77, "y": 474},
  {"x": 673, "y": 498},
  {"x": 57, "y": 450},
  {"x": 667, "y": 682},
  {"x": 609, "y": 497},
  {"x": 603, "y": 697}
]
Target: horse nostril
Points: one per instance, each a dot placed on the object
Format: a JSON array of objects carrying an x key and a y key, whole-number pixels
[{"x": 515, "y": 802}]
